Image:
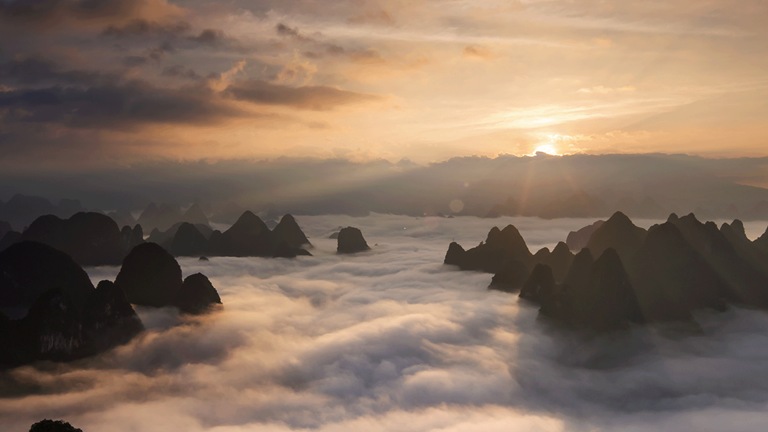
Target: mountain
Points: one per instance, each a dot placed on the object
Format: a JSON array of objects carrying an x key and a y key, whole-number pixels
[
  {"x": 91, "y": 239},
  {"x": 21, "y": 210},
  {"x": 594, "y": 186},
  {"x": 663, "y": 274},
  {"x": 351, "y": 240},
  {"x": 150, "y": 276},
  {"x": 57, "y": 313}
]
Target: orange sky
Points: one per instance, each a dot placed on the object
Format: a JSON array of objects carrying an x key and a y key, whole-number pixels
[{"x": 424, "y": 80}]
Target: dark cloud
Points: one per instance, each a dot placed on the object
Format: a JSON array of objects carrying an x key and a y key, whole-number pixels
[
  {"x": 133, "y": 61},
  {"x": 305, "y": 97},
  {"x": 48, "y": 12},
  {"x": 178, "y": 71},
  {"x": 142, "y": 27},
  {"x": 209, "y": 37},
  {"x": 41, "y": 71},
  {"x": 123, "y": 105},
  {"x": 292, "y": 32}
]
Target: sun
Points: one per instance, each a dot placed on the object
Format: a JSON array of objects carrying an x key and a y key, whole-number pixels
[{"x": 546, "y": 148}]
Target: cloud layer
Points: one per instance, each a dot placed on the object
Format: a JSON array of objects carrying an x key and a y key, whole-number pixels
[{"x": 394, "y": 340}]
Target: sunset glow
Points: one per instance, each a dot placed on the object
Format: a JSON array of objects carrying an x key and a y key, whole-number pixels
[
  {"x": 546, "y": 148},
  {"x": 207, "y": 80}
]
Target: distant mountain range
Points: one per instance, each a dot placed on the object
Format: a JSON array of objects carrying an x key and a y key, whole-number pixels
[{"x": 640, "y": 185}]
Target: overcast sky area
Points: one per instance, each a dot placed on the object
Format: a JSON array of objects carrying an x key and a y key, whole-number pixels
[
  {"x": 94, "y": 83},
  {"x": 393, "y": 340}
]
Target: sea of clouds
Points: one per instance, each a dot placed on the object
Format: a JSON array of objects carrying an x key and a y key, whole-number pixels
[{"x": 393, "y": 340}]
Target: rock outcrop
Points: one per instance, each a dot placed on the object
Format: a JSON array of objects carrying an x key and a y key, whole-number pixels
[
  {"x": 762, "y": 242},
  {"x": 500, "y": 247},
  {"x": 250, "y": 236},
  {"x": 89, "y": 238},
  {"x": 197, "y": 295},
  {"x": 351, "y": 240},
  {"x": 58, "y": 315},
  {"x": 188, "y": 241},
  {"x": 288, "y": 231},
  {"x": 150, "y": 276},
  {"x": 29, "y": 269},
  {"x": 53, "y": 426},
  {"x": 617, "y": 233},
  {"x": 577, "y": 240},
  {"x": 5, "y": 227},
  {"x": 663, "y": 274},
  {"x": 131, "y": 237},
  {"x": 10, "y": 238}
]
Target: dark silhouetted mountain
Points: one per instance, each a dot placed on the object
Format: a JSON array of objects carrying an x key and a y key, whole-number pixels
[
  {"x": 605, "y": 301},
  {"x": 559, "y": 261},
  {"x": 760, "y": 242},
  {"x": 250, "y": 236},
  {"x": 197, "y": 295},
  {"x": 52, "y": 330},
  {"x": 131, "y": 237},
  {"x": 57, "y": 328},
  {"x": 618, "y": 233},
  {"x": 500, "y": 247},
  {"x": 166, "y": 237},
  {"x": 746, "y": 281},
  {"x": 161, "y": 217},
  {"x": 288, "y": 231},
  {"x": 150, "y": 276},
  {"x": 664, "y": 274},
  {"x": 10, "y": 238},
  {"x": 735, "y": 234},
  {"x": 29, "y": 269},
  {"x": 578, "y": 240},
  {"x": 89, "y": 238},
  {"x": 351, "y": 241},
  {"x": 122, "y": 217},
  {"x": 511, "y": 276},
  {"x": 21, "y": 210},
  {"x": 194, "y": 215},
  {"x": 4, "y": 228},
  {"x": 188, "y": 241},
  {"x": 672, "y": 279},
  {"x": 540, "y": 285},
  {"x": 53, "y": 426},
  {"x": 108, "y": 318}
]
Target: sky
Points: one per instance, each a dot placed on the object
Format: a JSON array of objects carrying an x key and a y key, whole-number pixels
[
  {"x": 96, "y": 82},
  {"x": 392, "y": 339}
]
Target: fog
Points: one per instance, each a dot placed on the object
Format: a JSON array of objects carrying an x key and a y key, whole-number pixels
[{"x": 393, "y": 340}]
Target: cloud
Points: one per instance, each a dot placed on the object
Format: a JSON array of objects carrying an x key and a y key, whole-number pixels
[
  {"x": 179, "y": 71},
  {"x": 50, "y": 13},
  {"x": 394, "y": 340},
  {"x": 33, "y": 70},
  {"x": 303, "y": 97},
  {"x": 477, "y": 52},
  {"x": 209, "y": 37},
  {"x": 142, "y": 27},
  {"x": 120, "y": 105}
]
